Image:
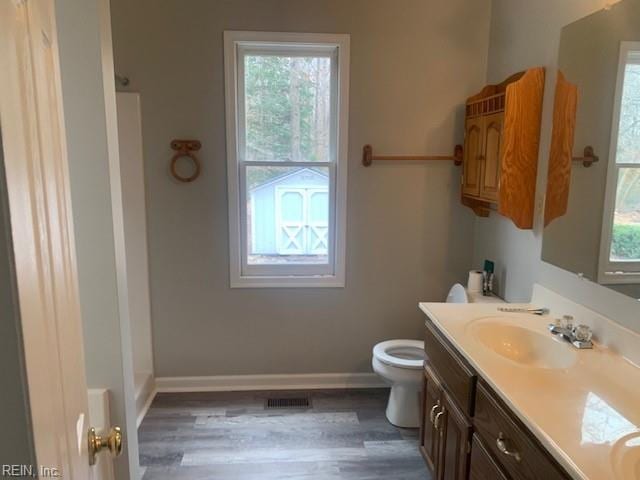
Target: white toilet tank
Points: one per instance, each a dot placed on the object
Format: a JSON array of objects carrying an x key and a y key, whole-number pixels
[{"x": 457, "y": 294}]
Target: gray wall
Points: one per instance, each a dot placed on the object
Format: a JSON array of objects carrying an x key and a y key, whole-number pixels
[
  {"x": 525, "y": 34},
  {"x": 413, "y": 62},
  {"x": 16, "y": 445}
]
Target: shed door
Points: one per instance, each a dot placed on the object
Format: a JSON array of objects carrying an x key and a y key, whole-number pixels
[
  {"x": 291, "y": 212},
  {"x": 302, "y": 221},
  {"x": 317, "y": 221}
]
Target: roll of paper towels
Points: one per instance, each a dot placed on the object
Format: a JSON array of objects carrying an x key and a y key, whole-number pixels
[{"x": 474, "y": 283}]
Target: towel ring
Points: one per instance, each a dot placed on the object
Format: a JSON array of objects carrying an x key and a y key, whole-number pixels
[{"x": 185, "y": 148}]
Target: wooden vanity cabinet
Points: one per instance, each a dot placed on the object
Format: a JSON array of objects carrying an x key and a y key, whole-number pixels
[
  {"x": 466, "y": 431},
  {"x": 448, "y": 394},
  {"x": 502, "y": 137}
]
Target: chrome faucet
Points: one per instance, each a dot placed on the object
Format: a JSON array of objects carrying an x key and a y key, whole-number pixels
[{"x": 577, "y": 335}]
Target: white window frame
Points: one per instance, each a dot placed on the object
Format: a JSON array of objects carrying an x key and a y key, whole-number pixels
[
  {"x": 335, "y": 46},
  {"x": 620, "y": 272}
]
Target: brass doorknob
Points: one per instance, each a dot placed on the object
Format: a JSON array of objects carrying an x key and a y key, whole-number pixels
[{"x": 112, "y": 442}]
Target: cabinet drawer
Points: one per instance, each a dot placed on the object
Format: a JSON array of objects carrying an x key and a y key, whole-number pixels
[
  {"x": 524, "y": 458},
  {"x": 457, "y": 377}
]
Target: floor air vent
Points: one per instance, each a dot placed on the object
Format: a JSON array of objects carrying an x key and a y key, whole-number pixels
[{"x": 273, "y": 403}]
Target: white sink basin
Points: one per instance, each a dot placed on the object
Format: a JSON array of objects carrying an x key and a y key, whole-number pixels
[
  {"x": 521, "y": 345},
  {"x": 626, "y": 456}
]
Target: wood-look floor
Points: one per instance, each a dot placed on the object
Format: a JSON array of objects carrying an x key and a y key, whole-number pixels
[{"x": 231, "y": 436}]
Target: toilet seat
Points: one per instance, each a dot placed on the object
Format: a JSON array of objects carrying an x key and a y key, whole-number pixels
[{"x": 401, "y": 353}]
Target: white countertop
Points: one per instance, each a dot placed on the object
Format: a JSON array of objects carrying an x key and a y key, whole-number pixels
[{"x": 587, "y": 415}]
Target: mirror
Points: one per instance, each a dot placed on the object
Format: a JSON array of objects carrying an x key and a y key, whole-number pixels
[{"x": 592, "y": 206}]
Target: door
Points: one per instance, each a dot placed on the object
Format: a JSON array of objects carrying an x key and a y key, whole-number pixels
[
  {"x": 455, "y": 442},
  {"x": 291, "y": 206},
  {"x": 41, "y": 229},
  {"x": 302, "y": 220},
  {"x": 472, "y": 164},
  {"x": 492, "y": 141},
  {"x": 317, "y": 221},
  {"x": 431, "y": 407}
]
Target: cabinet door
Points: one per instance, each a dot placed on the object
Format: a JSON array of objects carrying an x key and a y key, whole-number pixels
[
  {"x": 431, "y": 406},
  {"x": 455, "y": 442},
  {"x": 491, "y": 156},
  {"x": 472, "y": 165},
  {"x": 482, "y": 466}
]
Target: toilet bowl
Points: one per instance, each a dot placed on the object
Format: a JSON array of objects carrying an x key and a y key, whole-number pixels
[{"x": 400, "y": 364}]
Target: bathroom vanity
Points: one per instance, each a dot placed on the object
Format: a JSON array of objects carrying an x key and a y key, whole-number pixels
[
  {"x": 505, "y": 399},
  {"x": 465, "y": 426}
]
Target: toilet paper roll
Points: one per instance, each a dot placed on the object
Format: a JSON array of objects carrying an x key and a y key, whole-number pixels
[{"x": 474, "y": 283}]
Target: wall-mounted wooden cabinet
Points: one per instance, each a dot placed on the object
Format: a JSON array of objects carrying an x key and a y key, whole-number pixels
[{"x": 502, "y": 137}]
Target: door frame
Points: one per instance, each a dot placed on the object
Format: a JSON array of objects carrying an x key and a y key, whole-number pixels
[
  {"x": 37, "y": 174},
  {"x": 87, "y": 65}
]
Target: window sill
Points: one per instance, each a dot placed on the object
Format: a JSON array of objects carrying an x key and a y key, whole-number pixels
[{"x": 321, "y": 281}]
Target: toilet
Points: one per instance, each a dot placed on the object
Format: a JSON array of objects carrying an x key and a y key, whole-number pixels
[{"x": 400, "y": 364}]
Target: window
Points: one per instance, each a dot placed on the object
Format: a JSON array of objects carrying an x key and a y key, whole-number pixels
[
  {"x": 620, "y": 246},
  {"x": 287, "y": 107}
]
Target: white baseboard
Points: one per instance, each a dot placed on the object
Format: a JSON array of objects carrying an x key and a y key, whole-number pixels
[
  {"x": 144, "y": 396},
  {"x": 230, "y": 383},
  {"x": 145, "y": 408}
]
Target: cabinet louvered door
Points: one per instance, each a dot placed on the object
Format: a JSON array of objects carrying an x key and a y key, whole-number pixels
[
  {"x": 492, "y": 149},
  {"x": 473, "y": 154}
]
